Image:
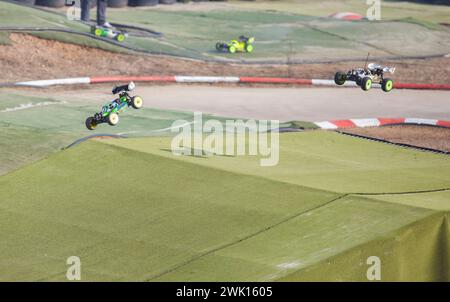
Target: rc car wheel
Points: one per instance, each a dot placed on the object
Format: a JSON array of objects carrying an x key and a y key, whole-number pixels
[
  {"x": 232, "y": 49},
  {"x": 98, "y": 32},
  {"x": 120, "y": 37},
  {"x": 249, "y": 48},
  {"x": 387, "y": 85},
  {"x": 137, "y": 102},
  {"x": 366, "y": 83},
  {"x": 340, "y": 78},
  {"x": 90, "y": 123},
  {"x": 219, "y": 46},
  {"x": 113, "y": 119}
]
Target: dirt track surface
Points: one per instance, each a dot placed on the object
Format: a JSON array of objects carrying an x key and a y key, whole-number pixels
[
  {"x": 32, "y": 58},
  {"x": 285, "y": 104},
  {"x": 422, "y": 136},
  {"x": 307, "y": 104}
]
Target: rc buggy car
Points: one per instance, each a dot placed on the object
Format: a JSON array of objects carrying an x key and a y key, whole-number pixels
[
  {"x": 101, "y": 31},
  {"x": 364, "y": 77},
  {"x": 110, "y": 112},
  {"x": 243, "y": 44}
]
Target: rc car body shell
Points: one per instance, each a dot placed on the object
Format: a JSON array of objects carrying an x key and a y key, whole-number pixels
[
  {"x": 243, "y": 44},
  {"x": 112, "y": 33},
  {"x": 115, "y": 106}
]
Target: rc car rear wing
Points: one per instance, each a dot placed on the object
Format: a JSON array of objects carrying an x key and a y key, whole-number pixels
[
  {"x": 389, "y": 69},
  {"x": 119, "y": 89},
  {"x": 374, "y": 66}
]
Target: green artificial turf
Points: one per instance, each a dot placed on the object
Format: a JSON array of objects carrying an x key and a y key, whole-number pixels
[
  {"x": 390, "y": 9},
  {"x": 439, "y": 200},
  {"x": 349, "y": 225},
  {"x": 133, "y": 211},
  {"x": 280, "y": 36},
  {"x": 34, "y": 127},
  {"x": 14, "y": 15},
  {"x": 154, "y": 211},
  {"x": 329, "y": 161}
]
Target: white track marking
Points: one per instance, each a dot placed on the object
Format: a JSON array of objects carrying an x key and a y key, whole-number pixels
[
  {"x": 128, "y": 132},
  {"x": 289, "y": 265},
  {"x": 31, "y": 105}
]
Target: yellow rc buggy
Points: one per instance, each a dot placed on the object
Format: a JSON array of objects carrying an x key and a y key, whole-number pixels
[{"x": 243, "y": 44}]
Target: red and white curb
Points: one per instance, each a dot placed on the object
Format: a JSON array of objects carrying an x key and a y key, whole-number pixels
[
  {"x": 211, "y": 80},
  {"x": 375, "y": 122}
]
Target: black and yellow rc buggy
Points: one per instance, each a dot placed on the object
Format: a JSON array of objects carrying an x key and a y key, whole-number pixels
[{"x": 243, "y": 44}]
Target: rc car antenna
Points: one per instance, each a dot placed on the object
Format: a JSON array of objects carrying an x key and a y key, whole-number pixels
[{"x": 367, "y": 60}]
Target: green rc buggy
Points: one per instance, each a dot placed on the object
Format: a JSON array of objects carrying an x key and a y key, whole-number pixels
[
  {"x": 110, "y": 112},
  {"x": 101, "y": 31},
  {"x": 243, "y": 44}
]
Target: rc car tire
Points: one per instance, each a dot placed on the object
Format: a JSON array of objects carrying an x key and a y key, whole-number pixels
[
  {"x": 366, "y": 83},
  {"x": 98, "y": 32},
  {"x": 120, "y": 37},
  {"x": 340, "y": 78},
  {"x": 249, "y": 48},
  {"x": 90, "y": 123},
  {"x": 113, "y": 119},
  {"x": 219, "y": 46},
  {"x": 232, "y": 49},
  {"x": 137, "y": 102},
  {"x": 387, "y": 85}
]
